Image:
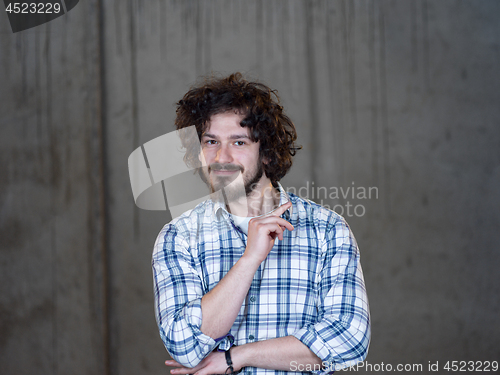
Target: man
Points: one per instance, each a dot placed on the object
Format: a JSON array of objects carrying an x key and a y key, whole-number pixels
[{"x": 258, "y": 280}]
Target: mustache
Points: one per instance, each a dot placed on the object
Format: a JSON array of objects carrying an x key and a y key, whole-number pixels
[{"x": 224, "y": 167}]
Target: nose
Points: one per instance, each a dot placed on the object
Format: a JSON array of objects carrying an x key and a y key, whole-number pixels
[{"x": 224, "y": 155}]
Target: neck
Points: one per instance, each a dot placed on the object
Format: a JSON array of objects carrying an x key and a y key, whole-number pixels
[{"x": 261, "y": 200}]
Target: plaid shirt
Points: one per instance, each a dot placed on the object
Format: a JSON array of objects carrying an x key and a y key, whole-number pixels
[{"x": 310, "y": 286}]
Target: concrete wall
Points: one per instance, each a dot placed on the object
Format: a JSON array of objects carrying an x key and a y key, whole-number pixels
[{"x": 400, "y": 96}]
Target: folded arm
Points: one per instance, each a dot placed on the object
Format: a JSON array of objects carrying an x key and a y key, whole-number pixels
[{"x": 283, "y": 353}]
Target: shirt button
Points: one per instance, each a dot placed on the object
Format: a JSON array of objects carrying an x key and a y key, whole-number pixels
[
  {"x": 252, "y": 299},
  {"x": 251, "y": 337}
]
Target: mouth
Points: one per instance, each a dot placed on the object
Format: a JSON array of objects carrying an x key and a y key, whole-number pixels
[{"x": 225, "y": 172}]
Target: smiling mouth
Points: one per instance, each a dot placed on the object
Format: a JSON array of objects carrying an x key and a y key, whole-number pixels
[
  {"x": 223, "y": 172},
  {"x": 224, "y": 169}
]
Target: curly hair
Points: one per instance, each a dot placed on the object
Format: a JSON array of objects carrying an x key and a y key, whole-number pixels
[{"x": 263, "y": 116}]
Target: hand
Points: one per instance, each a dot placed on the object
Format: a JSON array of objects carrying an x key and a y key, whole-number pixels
[
  {"x": 214, "y": 363},
  {"x": 263, "y": 230}
]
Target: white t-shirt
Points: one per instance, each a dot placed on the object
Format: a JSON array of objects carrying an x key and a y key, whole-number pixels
[{"x": 242, "y": 222}]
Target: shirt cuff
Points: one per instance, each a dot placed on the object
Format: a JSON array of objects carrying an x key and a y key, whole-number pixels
[
  {"x": 187, "y": 344},
  {"x": 194, "y": 318},
  {"x": 309, "y": 336},
  {"x": 224, "y": 343}
]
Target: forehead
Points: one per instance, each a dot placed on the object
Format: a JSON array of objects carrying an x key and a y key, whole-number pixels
[{"x": 225, "y": 124}]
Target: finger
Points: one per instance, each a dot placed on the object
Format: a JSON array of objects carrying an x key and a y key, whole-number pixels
[
  {"x": 276, "y": 230},
  {"x": 280, "y": 236},
  {"x": 182, "y": 371},
  {"x": 171, "y": 362},
  {"x": 281, "y": 209},
  {"x": 286, "y": 224},
  {"x": 277, "y": 220}
]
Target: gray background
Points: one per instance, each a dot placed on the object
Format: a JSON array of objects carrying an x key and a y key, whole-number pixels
[{"x": 399, "y": 95}]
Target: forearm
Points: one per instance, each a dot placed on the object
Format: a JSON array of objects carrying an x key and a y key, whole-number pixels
[
  {"x": 221, "y": 305},
  {"x": 283, "y": 353}
]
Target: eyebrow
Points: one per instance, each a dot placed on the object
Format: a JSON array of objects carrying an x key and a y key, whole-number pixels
[{"x": 234, "y": 136}]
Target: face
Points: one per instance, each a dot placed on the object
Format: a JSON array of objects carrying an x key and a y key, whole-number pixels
[{"x": 229, "y": 151}]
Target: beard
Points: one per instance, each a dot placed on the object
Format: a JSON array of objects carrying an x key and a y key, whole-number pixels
[{"x": 232, "y": 187}]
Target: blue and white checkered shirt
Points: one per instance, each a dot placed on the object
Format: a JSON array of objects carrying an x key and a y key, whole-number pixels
[{"x": 310, "y": 286}]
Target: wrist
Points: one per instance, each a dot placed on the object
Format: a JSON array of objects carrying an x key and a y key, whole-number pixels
[
  {"x": 238, "y": 356},
  {"x": 250, "y": 261}
]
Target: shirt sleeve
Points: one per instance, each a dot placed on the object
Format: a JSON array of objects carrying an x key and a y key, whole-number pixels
[
  {"x": 341, "y": 336},
  {"x": 178, "y": 290}
]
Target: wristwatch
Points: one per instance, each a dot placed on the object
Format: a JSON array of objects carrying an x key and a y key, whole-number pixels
[{"x": 230, "y": 368}]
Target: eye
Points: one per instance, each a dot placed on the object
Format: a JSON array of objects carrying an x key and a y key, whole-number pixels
[
  {"x": 239, "y": 143},
  {"x": 210, "y": 142}
]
